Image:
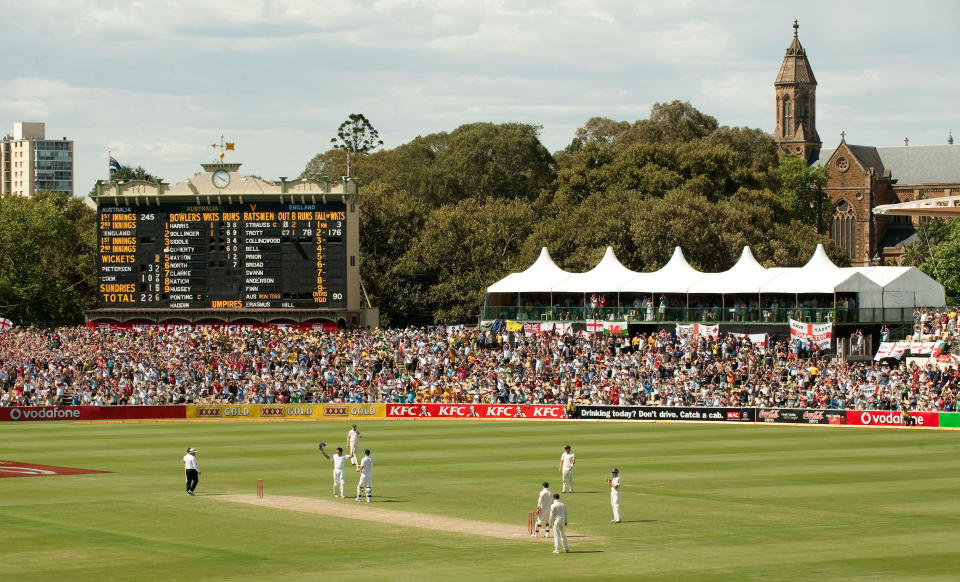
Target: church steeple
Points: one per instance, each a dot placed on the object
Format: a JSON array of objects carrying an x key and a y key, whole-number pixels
[{"x": 796, "y": 89}]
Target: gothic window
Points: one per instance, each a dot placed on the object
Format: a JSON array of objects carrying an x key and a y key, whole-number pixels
[
  {"x": 843, "y": 230},
  {"x": 787, "y": 116}
]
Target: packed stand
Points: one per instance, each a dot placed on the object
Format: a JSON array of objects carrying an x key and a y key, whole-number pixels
[
  {"x": 935, "y": 324},
  {"x": 84, "y": 366}
]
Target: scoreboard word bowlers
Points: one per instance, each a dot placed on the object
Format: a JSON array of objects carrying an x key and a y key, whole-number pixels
[{"x": 241, "y": 256}]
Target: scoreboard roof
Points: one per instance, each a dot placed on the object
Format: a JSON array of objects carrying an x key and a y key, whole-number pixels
[{"x": 222, "y": 183}]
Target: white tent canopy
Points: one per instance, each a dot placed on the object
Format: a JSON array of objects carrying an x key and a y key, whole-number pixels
[
  {"x": 745, "y": 277},
  {"x": 607, "y": 277},
  {"x": 674, "y": 277},
  {"x": 888, "y": 287},
  {"x": 821, "y": 276},
  {"x": 540, "y": 277},
  {"x": 905, "y": 287}
]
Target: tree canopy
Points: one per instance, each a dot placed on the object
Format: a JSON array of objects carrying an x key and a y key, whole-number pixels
[
  {"x": 47, "y": 246},
  {"x": 447, "y": 214}
]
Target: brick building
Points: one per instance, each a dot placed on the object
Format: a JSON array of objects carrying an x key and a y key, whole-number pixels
[{"x": 860, "y": 177}]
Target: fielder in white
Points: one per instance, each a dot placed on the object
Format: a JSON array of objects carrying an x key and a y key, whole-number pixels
[
  {"x": 558, "y": 513},
  {"x": 567, "y": 461},
  {"x": 353, "y": 441},
  {"x": 339, "y": 481},
  {"x": 543, "y": 511},
  {"x": 614, "y": 481},
  {"x": 366, "y": 475}
]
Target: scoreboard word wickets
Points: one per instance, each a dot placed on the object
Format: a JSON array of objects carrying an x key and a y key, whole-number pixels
[{"x": 253, "y": 256}]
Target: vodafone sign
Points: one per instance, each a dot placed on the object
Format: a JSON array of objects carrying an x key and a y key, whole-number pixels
[
  {"x": 890, "y": 418},
  {"x": 504, "y": 411}
]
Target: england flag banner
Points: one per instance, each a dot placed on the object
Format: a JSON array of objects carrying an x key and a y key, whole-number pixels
[
  {"x": 5, "y": 324},
  {"x": 891, "y": 350},
  {"x": 692, "y": 329},
  {"x": 759, "y": 340},
  {"x": 594, "y": 325},
  {"x": 820, "y": 334}
]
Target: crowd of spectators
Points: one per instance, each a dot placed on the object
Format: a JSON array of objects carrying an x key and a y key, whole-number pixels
[
  {"x": 935, "y": 324},
  {"x": 86, "y": 366}
]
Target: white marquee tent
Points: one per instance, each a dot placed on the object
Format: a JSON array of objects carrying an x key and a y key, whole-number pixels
[
  {"x": 607, "y": 277},
  {"x": 540, "y": 277},
  {"x": 887, "y": 287}
]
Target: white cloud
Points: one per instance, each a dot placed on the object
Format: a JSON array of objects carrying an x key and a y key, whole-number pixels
[{"x": 158, "y": 80}]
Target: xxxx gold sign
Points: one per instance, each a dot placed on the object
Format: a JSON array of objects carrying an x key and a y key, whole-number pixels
[
  {"x": 208, "y": 411},
  {"x": 345, "y": 411}
]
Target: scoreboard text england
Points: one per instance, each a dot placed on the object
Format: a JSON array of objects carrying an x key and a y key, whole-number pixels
[{"x": 222, "y": 257}]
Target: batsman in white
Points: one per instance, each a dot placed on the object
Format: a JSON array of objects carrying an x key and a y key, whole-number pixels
[
  {"x": 543, "y": 511},
  {"x": 567, "y": 461},
  {"x": 339, "y": 460},
  {"x": 614, "y": 482},
  {"x": 558, "y": 513},
  {"x": 366, "y": 475},
  {"x": 353, "y": 441}
]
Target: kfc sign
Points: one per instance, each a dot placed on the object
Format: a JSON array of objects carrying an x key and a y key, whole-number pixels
[{"x": 503, "y": 411}]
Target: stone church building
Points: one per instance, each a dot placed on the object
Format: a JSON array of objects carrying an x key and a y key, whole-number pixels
[{"x": 860, "y": 177}]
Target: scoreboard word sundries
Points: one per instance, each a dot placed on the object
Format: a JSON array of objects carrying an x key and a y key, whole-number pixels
[{"x": 241, "y": 256}]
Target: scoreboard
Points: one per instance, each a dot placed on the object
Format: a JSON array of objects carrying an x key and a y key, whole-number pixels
[{"x": 266, "y": 255}]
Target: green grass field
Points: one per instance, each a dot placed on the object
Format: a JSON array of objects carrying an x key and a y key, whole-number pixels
[{"x": 700, "y": 502}]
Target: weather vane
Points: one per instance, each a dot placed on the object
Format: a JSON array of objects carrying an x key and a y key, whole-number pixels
[{"x": 224, "y": 146}]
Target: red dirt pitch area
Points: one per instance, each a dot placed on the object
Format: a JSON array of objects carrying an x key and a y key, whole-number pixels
[{"x": 18, "y": 469}]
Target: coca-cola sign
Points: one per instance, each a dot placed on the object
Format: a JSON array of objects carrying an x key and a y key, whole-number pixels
[{"x": 801, "y": 416}]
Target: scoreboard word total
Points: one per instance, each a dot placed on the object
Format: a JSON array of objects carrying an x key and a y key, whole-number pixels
[{"x": 242, "y": 256}]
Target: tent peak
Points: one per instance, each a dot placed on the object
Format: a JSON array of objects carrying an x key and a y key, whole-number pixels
[{"x": 820, "y": 260}]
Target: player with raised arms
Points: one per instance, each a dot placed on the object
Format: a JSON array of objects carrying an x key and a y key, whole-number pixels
[{"x": 339, "y": 460}]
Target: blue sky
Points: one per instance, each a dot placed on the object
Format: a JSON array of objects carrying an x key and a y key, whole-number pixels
[{"x": 157, "y": 81}]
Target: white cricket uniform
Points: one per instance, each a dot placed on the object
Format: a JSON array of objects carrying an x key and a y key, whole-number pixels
[
  {"x": 558, "y": 513},
  {"x": 615, "y": 497},
  {"x": 338, "y": 477},
  {"x": 366, "y": 477},
  {"x": 353, "y": 439},
  {"x": 566, "y": 468},
  {"x": 543, "y": 513}
]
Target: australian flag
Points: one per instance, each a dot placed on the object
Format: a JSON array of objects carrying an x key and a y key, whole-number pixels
[{"x": 114, "y": 164}]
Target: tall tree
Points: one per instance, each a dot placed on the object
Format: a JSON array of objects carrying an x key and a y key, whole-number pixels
[
  {"x": 47, "y": 246},
  {"x": 802, "y": 187},
  {"x": 356, "y": 135}
]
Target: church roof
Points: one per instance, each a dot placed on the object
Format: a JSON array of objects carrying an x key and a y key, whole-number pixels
[
  {"x": 935, "y": 164},
  {"x": 795, "y": 67}
]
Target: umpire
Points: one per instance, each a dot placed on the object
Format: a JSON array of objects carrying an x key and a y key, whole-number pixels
[{"x": 193, "y": 473}]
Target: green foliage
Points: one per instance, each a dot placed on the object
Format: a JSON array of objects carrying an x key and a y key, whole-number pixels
[
  {"x": 485, "y": 160},
  {"x": 47, "y": 246},
  {"x": 930, "y": 233},
  {"x": 937, "y": 252},
  {"x": 461, "y": 249},
  {"x": 356, "y": 135},
  {"x": 802, "y": 187}
]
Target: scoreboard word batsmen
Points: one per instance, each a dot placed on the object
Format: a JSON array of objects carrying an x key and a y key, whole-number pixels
[{"x": 242, "y": 256}]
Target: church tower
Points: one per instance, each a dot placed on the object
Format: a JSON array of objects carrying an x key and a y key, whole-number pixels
[{"x": 796, "y": 89}]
